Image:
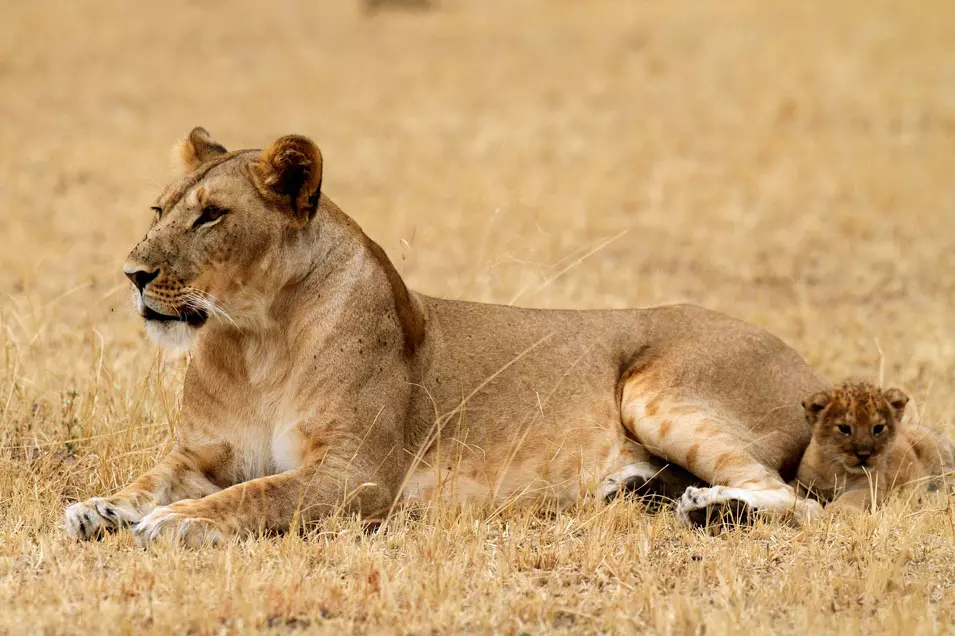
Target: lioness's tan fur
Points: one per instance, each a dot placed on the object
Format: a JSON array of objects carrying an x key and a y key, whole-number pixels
[{"x": 318, "y": 380}]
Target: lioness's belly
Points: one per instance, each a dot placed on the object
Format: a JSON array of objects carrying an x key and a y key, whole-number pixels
[
  {"x": 562, "y": 464},
  {"x": 527, "y": 403}
]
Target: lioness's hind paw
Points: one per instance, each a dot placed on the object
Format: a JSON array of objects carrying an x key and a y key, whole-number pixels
[
  {"x": 735, "y": 506},
  {"x": 704, "y": 507}
]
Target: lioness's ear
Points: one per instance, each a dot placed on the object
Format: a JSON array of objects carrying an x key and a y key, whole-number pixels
[
  {"x": 291, "y": 171},
  {"x": 815, "y": 405},
  {"x": 897, "y": 400},
  {"x": 199, "y": 148}
]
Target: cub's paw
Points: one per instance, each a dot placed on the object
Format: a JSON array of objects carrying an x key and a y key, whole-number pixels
[
  {"x": 167, "y": 524},
  {"x": 93, "y": 518},
  {"x": 807, "y": 511},
  {"x": 711, "y": 507}
]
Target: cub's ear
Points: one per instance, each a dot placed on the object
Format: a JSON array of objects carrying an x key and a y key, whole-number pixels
[
  {"x": 815, "y": 405},
  {"x": 290, "y": 170},
  {"x": 198, "y": 148},
  {"x": 897, "y": 400}
]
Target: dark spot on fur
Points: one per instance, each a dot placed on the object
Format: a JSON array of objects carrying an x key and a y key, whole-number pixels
[{"x": 691, "y": 456}]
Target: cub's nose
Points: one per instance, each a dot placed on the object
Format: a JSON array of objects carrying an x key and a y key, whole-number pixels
[
  {"x": 863, "y": 454},
  {"x": 140, "y": 276}
]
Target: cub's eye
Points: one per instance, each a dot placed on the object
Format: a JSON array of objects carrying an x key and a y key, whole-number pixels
[
  {"x": 210, "y": 214},
  {"x": 845, "y": 429},
  {"x": 878, "y": 429},
  {"x": 156, "y": 209}
]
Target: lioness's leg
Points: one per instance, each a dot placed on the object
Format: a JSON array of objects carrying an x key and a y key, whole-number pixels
[
  {"x": 273, "y": 503},
  {"x": 649, "y": 478},
  {"x": 716, "y": 449},
  {"x": 183, "y": 473}
]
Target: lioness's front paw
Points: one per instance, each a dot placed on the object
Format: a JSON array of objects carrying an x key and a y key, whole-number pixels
[
  {"x": 166, "y": 523},
  {"x": 93, "y": 518}
]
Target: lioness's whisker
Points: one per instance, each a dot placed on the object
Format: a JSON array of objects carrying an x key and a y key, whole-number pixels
[{"x": 201, "y": 300}]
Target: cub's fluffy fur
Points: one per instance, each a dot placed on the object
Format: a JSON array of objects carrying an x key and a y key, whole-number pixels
[{"x": 861, "y": 450}]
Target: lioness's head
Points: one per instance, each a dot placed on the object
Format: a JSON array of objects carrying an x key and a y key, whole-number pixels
[
  {"x": 855, "y": 422},
  {"x": 221, "y": 242}
]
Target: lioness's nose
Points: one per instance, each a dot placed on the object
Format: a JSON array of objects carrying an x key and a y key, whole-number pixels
[{"x": 139, "y": 275}]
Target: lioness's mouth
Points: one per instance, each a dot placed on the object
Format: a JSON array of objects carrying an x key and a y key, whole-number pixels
[{"x": 192, "y": 317}]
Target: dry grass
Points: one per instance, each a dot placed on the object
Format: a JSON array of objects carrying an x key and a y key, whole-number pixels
[{"x": 787, "y": 163}]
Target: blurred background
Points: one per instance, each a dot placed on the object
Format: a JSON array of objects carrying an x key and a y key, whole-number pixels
[{"x": 789, "y": 163}]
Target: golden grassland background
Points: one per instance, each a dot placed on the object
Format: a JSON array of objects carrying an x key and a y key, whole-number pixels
[{"x": 789, "y": 163}]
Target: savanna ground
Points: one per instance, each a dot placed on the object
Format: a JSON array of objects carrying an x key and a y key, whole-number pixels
[{"x": 789, "y": 163}]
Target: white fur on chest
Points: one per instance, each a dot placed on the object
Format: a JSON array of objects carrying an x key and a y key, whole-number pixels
[
  {"x": 287, "y": 449},
  {"x": 268, "y": 440},
  {"x": 264, "y": 450}
]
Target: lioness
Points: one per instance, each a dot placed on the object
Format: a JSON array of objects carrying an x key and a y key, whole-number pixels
[
  {"x": 861, "y": 450},
  {"x": 319, "y": 381}
]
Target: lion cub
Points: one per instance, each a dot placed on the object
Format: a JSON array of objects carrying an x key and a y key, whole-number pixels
[{"x": 860, "y": 449}]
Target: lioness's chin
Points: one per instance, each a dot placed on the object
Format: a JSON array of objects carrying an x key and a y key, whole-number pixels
[{"x": 172, "y": 335}]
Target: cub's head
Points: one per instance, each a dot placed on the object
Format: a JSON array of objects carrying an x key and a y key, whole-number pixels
[
  {"x": 855, "y": 422},
  {"x": 222, "y": 241}
]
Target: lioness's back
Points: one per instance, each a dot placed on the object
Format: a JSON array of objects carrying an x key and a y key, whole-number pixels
[{"x": 572, "y": 353}]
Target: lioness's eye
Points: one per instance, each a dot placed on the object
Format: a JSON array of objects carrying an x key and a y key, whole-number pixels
[
  {"x": 209, "y": 214},
  {"x": 845, "y": 429},
  {"x": 156, "y": 209},
  {"x": 878, "y": 429}
]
